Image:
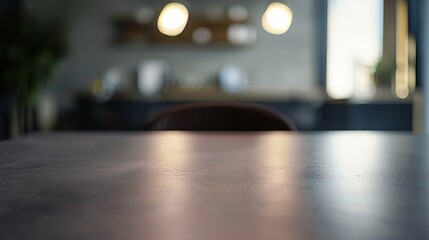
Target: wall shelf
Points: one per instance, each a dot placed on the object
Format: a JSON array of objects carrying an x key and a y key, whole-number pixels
[{"x": 129, "y": 29}]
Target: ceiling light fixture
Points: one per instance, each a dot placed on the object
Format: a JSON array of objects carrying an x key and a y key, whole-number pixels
[
  {"x": 173, "y": 19},
  {"x": 277, "y": 18}
]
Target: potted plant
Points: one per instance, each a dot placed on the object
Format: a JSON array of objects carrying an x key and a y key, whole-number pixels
[
  {"x": 29, "y": 51},
  {"x": 383, "y": 74}
]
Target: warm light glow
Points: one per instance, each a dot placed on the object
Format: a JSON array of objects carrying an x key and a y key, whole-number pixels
[
  {"x": 412, "y": 55},
  {"x": 402, "y": 70},
  {"x": 401, "y": 90},
  {"x": 277, "y": 18},
  {"x": 173, "y": 19}
]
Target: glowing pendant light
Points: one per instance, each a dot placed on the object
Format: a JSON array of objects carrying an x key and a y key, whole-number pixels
[
  {"x": 277, "y": 18},
  {"x": 173, "y": 19}
]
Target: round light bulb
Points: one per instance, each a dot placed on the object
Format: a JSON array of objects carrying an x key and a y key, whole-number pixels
[
  {"x": 173, "y": 19},
  {"x": 277, "y": 18}
]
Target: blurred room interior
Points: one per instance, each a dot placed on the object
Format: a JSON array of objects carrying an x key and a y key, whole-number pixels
[{"x": 110, "y": 64}]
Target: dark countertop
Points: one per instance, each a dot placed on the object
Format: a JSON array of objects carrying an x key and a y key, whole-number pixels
[{"x": 177, "y": 185}]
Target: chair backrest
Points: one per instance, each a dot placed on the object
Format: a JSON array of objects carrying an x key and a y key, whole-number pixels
[{"x": 219, "y": 117}]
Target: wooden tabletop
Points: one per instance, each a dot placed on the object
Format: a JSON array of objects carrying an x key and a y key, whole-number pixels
[{"x": 176, "y": 185}]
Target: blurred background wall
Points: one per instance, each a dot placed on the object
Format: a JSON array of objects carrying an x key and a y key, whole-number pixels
[
  {"x": 286, "y": 64},
  {"x": 342, "y": 64}
]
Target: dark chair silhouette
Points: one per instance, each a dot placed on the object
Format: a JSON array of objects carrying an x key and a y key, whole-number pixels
[{"x": 219, "y": 117}]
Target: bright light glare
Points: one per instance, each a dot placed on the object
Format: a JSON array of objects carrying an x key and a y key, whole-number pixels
[
  {"x": 173, "y": 19},
  {"x": 354, "y": 46},
  {"x": 277, "y": 18},
  {"x": 402, "y": 81}
]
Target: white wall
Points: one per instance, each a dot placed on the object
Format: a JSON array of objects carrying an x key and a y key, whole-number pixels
[{"x": 287, "y": 62}]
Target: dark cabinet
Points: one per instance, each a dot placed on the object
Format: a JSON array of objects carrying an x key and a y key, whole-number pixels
[{"x": 308, "y": 116}]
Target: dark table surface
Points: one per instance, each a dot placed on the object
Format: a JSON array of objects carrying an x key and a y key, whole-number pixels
[{"x": 176, "y": 185}]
